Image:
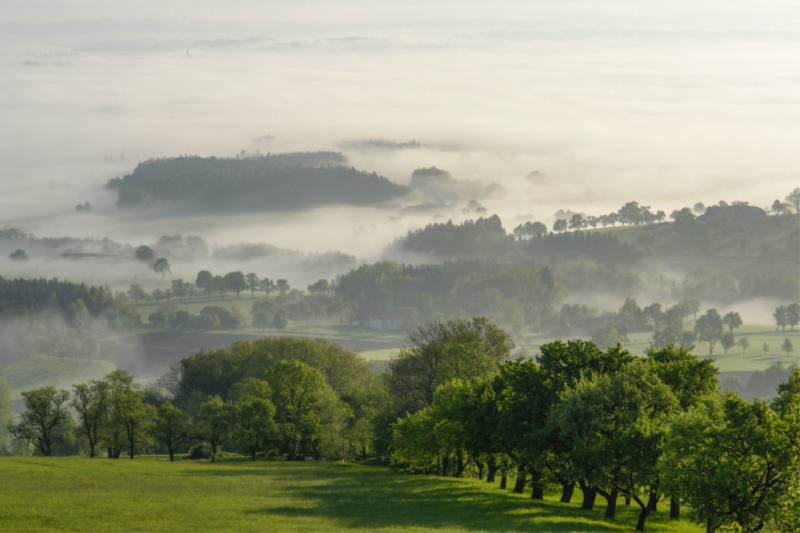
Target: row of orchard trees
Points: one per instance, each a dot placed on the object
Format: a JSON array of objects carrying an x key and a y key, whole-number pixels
[
  {"x": 613, "y": 424},
  {"x": 291, "y": 411}
]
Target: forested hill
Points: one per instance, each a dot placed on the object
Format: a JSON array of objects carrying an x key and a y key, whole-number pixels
[{"x": 259, "y": 183}]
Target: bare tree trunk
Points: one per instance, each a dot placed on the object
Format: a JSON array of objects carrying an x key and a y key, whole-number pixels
[
  {"x": 519, "y": 486},
  {"x": 589, "y": 496},
  {"x": 566, "y": 493},
  {"x": 537, "y": 493},
  {"x": 504, "y": 480},
  {"x": 674, "y": 509}
]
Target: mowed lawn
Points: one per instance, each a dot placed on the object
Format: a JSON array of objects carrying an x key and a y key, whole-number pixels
[{"x": 151, "y": 494}]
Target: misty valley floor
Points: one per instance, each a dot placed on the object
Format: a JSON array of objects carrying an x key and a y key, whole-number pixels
[{"x": 149, "y": 494}]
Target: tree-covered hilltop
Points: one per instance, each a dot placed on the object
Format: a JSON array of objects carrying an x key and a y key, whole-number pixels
[{"x": 257, "y": 183}]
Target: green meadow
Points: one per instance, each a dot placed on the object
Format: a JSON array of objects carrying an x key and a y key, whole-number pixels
[{"x": 152, "y": 494}]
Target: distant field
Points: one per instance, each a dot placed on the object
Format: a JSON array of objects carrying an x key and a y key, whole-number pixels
[
  {"x": 40, "y": 371},
  {"x": 151, "y": 494}
]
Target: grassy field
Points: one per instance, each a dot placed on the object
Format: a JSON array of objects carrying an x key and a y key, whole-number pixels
[
  {"x": 151, "y": 494},
  {"x": 39, "y": 371}
]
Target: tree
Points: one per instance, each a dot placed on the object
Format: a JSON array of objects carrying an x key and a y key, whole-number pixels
[
  {"x": 129, "y": 417},
  {"x": 279, "y": 321},
  {"x": 205, "y": 282},
  {"x": 161, "y": 266},
  {"x": 728, "y": 341},
  {"x": 253, "y": 283},
  {"x": 437, "y": 353},
  {"x": 559, "y": 225},
  {"x": 699, "y": 208},
  {"x": 793, "y": 315},
  {"x": 781, "y": 317},
  {"x": 744, "y": 342},
  {"x": 171, "y": 429},
  {"x": 136, "y": 292},
  {"x": 282, "y": 286},
  {"x": 787, "y": 346},
  {"x": 787, "y": 392},
  {"x": 320, "y": 287},
  {"x": 179, "y": 288},
  {"x": 614, "y": 425},
  {"x": 215, "y": 417},
  {"x": 794, "y": 199},
  {"x": 682, "y": 217},
  {"x": 577, "y": 222},
  {"x": 45, "y": 410},
  {"x": 765, "y": 347},
  {"x": 732, "y": 320},
  {"x": 709, "y": 329},
  {"x": 267, "y": 286},
  {"x": 19, "y": 255},
  {"x": 145, "y": 254},
  {"x": 235, "y": 282},
  {"x": 158, "y": 318},
  {"x": 731, "y": 460},
  {"x": 255, "y": 424},
  {"x": 262, "y": 320},
  {"x": 91, "y": 402},
  {"x": 296, "y": 391}
]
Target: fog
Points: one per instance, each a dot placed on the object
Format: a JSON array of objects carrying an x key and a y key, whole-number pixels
[{"x": 610, "y": 101}]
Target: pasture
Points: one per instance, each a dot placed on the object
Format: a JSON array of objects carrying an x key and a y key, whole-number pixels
[{"x": 150, "y": 493}]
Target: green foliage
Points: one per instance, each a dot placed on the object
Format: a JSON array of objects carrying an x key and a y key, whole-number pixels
[
  {"x": 45, "y": 410},
  {"x": 19, "y": 255},
  {"x": 732, "y": 461},
  {"x": 215, "y": 418},
  {"x": 260, "y": 183},
  {"x": 6, "y": 416},
  {"x": 255, "y": 413}
]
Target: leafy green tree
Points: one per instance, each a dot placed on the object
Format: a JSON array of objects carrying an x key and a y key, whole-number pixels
[
  {"x": 787, "y": 392},
  {"x": 205, "y": 282},
  {"x": 91, "y": 403},
  {"x": 682, "y": 217},
  {"x": 262, "y": 320},
  {"x": 787, "y": 346},
  {"x": 235, "y": 282},
  {"x": 171, "y": 429},
  {"x": 215, "y": 417},
  {"x": 45, "y": 410},
  {"x": 728, "y": 341},
  {"x": 559, "y": 225},
  {"x": 744, "y": 342},
  {"x": 781, "y": 317},
  {"x": 253, "y": 283},
  {"x": 255, "y": 413},
  {"x": 731, "y": 461},
  {"x": 180, "y": 288},
  {"x": 733, "y": 320},
  {"x": 161, "y": 266},
  {"x": 614, "y": 426},
  {"x": 577, "y": 222},
  {"x": 709, "y": 329},
  {"x": 282, "y": 286},
  {"x": 129, "y": 417},
  {"x": 267, "y": 285},
  {"x": 320, "y": 287},
  {"x": 437, "y": 353},
  {"x": 279, "y": 321},
  {"x": 793, "y": 315},
  {"x": 137, "y": 293},
  {"x": 158, "y": 318},
  {"x": 145, "y": 254},
  {"x": 297, "y": 390}
]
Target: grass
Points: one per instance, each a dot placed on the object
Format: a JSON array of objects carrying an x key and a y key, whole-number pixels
[
  {"x": 39, "y": 371},
  {"x": 148, "y": 494}
]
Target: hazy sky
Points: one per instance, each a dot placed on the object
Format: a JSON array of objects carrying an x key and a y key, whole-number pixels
[{"x": 668, "y": 103}]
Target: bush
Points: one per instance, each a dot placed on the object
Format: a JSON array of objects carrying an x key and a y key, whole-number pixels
[{"x": 200, "y": 451}]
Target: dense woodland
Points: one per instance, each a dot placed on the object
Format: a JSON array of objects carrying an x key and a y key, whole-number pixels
[
  {"x": 453, "y": 403},
  {"x": 258, "y": 183}
]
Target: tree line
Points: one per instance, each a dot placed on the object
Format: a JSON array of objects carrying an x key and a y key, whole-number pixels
[{"x": 258, "y": 183}]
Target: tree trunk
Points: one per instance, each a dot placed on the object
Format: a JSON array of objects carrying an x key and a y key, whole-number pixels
[
  {"x": 480, "y": 470},
  {"x": 566, "y": 493},
  {"x": 589, "y": 496},
  {"x": 253, "y": 453},
  {"x": 627, "y": 501},
  {"x": 643, "y": 515},
  {"x": 364, "y": 452},
  {"x": 445, "y": 465},
  {"x": 611, "y": 503},
  {"x": 460, "y": 464},
  {"x": 171, "y": 454},
  {"x": 537, "y": 494},
  {"x": 652, "y": 503},
  {"x": 503, "y": 481},
  {"x": 674, "y": 508},
  {"x": 492, "y": 467},
  {"x": 519, "y": 486}
]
